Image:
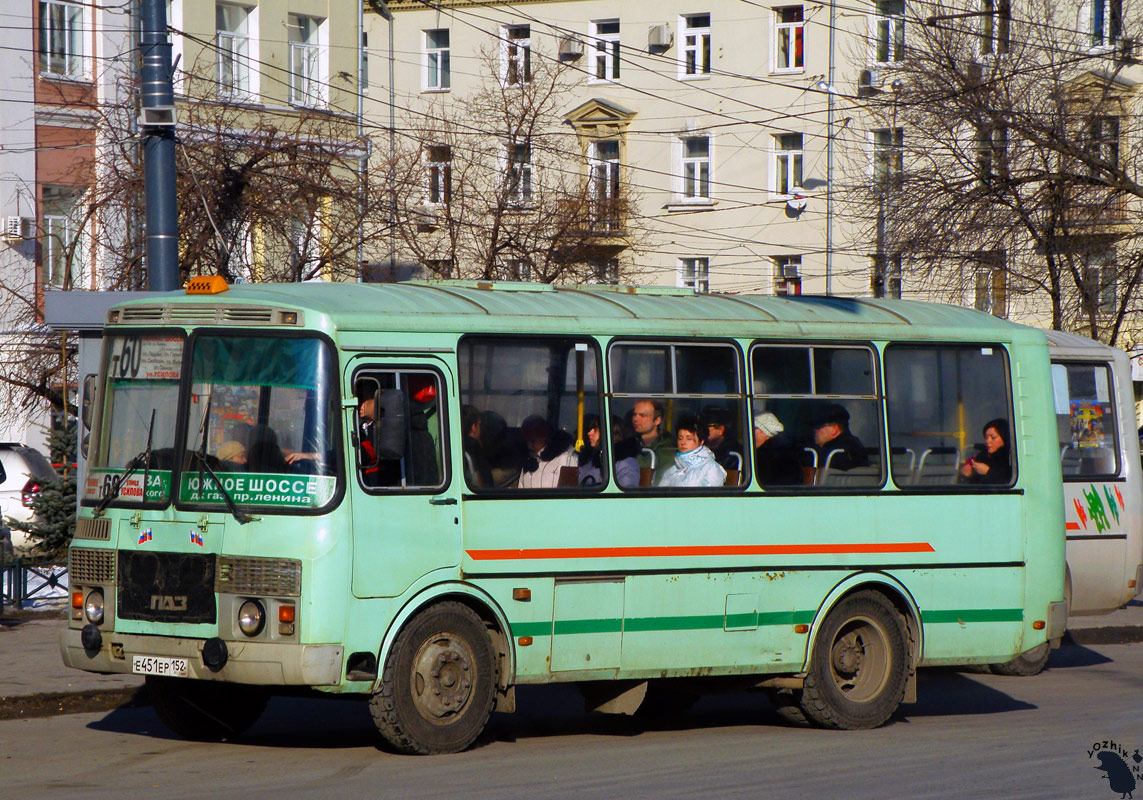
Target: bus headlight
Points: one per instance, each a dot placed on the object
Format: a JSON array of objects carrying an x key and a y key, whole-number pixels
[
  {"x": 251, "y": 618},
  {"x": 93, "y": 607}
]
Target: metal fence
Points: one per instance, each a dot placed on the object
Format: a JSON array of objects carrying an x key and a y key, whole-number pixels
[{"x": 25, "y": 583}]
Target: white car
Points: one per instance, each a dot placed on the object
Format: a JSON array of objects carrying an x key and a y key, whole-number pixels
[{"x": 23, "y": 472}]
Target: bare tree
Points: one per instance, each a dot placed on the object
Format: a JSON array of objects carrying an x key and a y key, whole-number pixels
[
  {"x": 999, "y": 170},
  {"x": 497, "y": 185}
]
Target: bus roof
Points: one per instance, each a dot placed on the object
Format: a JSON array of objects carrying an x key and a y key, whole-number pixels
[{"x": 535, "y": 308}]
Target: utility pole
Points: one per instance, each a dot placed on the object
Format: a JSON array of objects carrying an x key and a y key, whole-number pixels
[{"x": 157, "y": 124}]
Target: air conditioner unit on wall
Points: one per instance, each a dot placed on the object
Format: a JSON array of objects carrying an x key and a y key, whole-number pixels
[
  {"x": 571, "y": 48},
  {"x": 660, "y": 37},
  {"x": 17, "y": 227},
  {"x": 789, "y": 271},
  {"x": 869, "y": 81}
]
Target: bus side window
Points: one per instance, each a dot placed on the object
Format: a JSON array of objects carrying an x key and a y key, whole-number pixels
[
  {"x": 1085, "y": 419},
  {"x": 411, "y": 455}
]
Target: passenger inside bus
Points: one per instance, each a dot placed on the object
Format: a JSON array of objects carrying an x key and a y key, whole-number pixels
[
  {"x": 591, "y": 454},
  {"x": 477, "y": 469},
  {"x": 831, "y": 434},
  {"x": 549, "y": 451},
  {"x": 993, "y": 463},
  {"x": 694, "y": 463},
  {"x": 776, "y": 454},
  {"x": 656, "y": 445},
  {"x": 720, "y": 438}
]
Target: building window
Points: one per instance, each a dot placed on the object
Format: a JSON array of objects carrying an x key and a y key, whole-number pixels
[
  {"x": 604, "y": 271},
  {"x": 515, "y": 269},
  {"x": 605, "y": 183},
  {"x": 307, "y": 67},
  {"x": 439, "y": 267},
  {"x": 886, "y": 278},
  {"x": 889, "y": 31},
  {"x": 62, "y": 39},
  {"x": 696, "y": 168},
  {"x": 995, "y": 19},
  {"x": 1106, "y": 22},
  {"x": 788, "y": 32},
  {"x": 787, "y": 275},
  {"x": 1100, "y": 283},
  {"x": 519, "y": 174},
  {"x": 438, "y": 70},
  {"x": 788, "y": 163},
  {"x": 233, "y": 33},
  {"x": 62, "y": 250},
  {"x": 991, "y": 152},
  {"x": 888, "y": 163},
  {"x": 696, "y": 45},
  {"x": 516, "y": 55},
  {"x": 439, "y": 174},
  {"x": 1103, "y": 142},
  {"x": 694, "y": 273},
  {"x": 606, "y": 49},
  {"x": 991, "y": 283}
]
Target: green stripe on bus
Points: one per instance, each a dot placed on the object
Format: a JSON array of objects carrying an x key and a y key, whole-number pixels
[
  {"x": 974, "y": 615},
  {"x": 650, "y": 624}
]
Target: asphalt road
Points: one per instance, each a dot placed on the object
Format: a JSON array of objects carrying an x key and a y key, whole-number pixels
[{"x": 971, "y": 735}]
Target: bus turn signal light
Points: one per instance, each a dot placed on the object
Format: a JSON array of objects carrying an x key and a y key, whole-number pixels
[
  {"x": 801, "y": 628},
  {"x": 524, "y": 641},
  {"x": 1038, "y": 625},
  {"x": 521, "y": 593},
  {"x": 285, "y": 613}
]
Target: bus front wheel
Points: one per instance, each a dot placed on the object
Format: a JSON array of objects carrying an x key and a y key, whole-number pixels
[
  {"x": 439, "y": 682},
  {"x": 859, "y": 665},
  {"x": 205, "y": 711}
]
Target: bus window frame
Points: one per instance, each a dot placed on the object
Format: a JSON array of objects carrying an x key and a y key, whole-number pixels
[
  {"x": 101, "y": 396},
  {"x": 1109, "y": 367},
  {"x": 959, "y": 488},
  {"x": 743, "y": 396},
  {"x": 514, "y": 492},
  {"x": 365, "y": 368},
  {"x": 336, "y": 433},
  {"x": 877, "y": 397}
]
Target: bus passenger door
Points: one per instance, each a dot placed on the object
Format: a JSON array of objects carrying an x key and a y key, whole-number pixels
[{"x": 406, "y": 510}]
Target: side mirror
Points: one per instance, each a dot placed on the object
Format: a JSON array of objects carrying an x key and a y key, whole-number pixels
[
  {"x": 391, "y": 424},
  {"x": 88, "y": 400}
]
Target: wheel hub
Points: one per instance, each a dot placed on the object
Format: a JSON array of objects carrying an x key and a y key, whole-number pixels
[{"x": 442, "y": 678}]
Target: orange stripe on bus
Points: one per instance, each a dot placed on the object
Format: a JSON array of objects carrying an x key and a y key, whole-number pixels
[{"x": 716, "y": 550}]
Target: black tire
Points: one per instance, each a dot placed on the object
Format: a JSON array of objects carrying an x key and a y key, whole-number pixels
[
  {"x": 859, "y": 665},
  {"x": 439, "y": 682},
  {"x": 1026, "y": 664},
  {"x": 787, "y": 704},
  {"x": 206, "y": 711}
]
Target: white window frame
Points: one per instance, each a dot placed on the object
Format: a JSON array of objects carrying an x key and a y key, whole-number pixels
[
  {"x": 520, "y": 187},
  {"x": 695, "y": 172},
  {"x": 995, "y": 27},
  {"x": 1106, "y": 296},
  {"x": 1104, "y": 138},
  {"x": 66, "y": 37},
  {"x": 991, "y": 152},
  {"x": 309, "y": 60},
  {"x": 888, "y": 30},
  {"x": 437, "y": 61},
  {"x": 237, "y": 50},
  {"x": 438, "y": 175},
  {"x": 794, "y": 32},
  {"x": 892, "y": 155},
  {"x": 604, "y": 271},
  {"x": 694, "y": 273},
  {"x": 694, "y": 47},
  {"x": 515, "y": 56},
  {"x": 605, "y": 49},
  {"x": 788, "y": 165},
  {"x": 606, "y": 179},
  {"x": 59, "y": 232},
  {"x": 989, "y": 265},
  {"x": 1103, "y": 21},
  {"x": 784, "y": 281},
  {"x": 515, "y": 269}
]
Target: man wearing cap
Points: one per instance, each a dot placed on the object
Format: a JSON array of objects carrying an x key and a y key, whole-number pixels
[
  {"x": 775, "y": 453},
  {"x": 831, "y": 432}
]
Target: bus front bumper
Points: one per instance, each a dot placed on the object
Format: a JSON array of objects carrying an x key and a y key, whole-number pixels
[{"x": 258, "y": 663}]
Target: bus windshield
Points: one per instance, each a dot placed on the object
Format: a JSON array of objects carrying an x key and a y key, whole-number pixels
[
  {"x": 260, "y": 424},
  {"x": 140, "y": 406}
]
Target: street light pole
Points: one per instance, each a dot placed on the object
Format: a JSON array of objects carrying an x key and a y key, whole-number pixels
[{"x": 157, "y": 123}]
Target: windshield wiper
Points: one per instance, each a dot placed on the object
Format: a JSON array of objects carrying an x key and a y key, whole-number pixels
[
  {"x": 200, "y": 454},
  {"x": 132, "y": 466}
]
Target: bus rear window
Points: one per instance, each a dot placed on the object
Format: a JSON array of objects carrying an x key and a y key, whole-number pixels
[
  {"x": 949, "y": 411},
  {"x": 1085, "y": 420}
]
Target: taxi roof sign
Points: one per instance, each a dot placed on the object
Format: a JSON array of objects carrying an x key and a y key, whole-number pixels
[{"x": 207, "y": 284}]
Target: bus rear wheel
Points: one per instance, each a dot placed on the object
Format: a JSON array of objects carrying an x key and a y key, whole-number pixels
[
  {"x": 439, "y": 682},
  {"x": 1026, "y": 664},
  {"x": 206, "y": 711},
  {"x": 859, "y": 666}
]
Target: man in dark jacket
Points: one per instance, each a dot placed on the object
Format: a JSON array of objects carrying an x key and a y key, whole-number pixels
[{"x": 831, "y": 432}]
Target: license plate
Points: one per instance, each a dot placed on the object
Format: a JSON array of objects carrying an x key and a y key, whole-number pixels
[{"x": 159, "y": 665}]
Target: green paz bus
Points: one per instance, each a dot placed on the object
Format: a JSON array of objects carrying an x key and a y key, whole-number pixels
[{"x": 427, "y": 494}]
